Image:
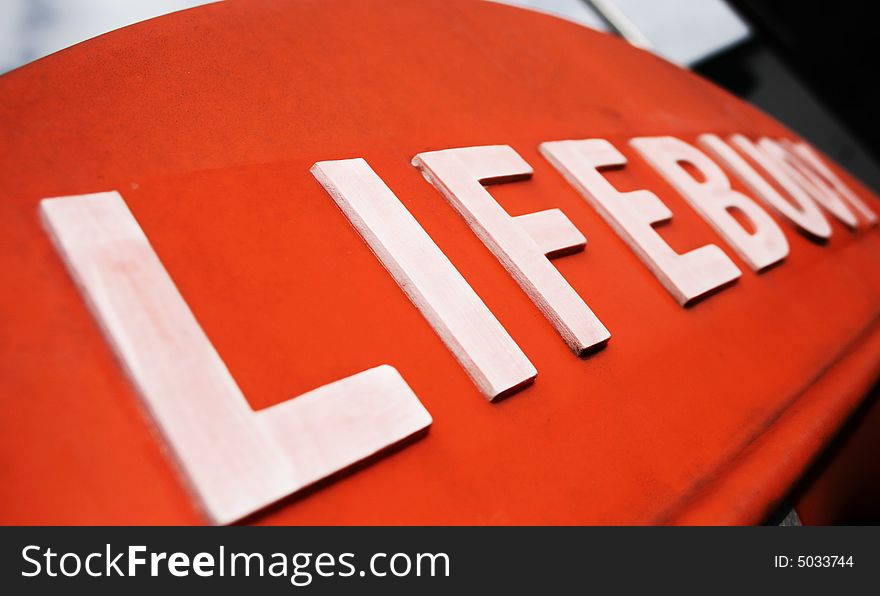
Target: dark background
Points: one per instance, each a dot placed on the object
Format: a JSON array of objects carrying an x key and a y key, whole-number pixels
[{"x": 812, "y": 65}]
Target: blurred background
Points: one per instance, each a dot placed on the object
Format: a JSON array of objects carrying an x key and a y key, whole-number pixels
[{"x": 812, "y": 65}]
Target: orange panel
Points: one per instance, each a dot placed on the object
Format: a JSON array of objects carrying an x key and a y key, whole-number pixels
[{"x": 207, "y": 122}]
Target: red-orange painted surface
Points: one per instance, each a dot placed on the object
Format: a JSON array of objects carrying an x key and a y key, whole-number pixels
[{"x": 207, "y": 122}]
